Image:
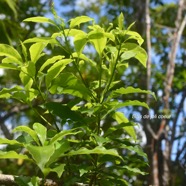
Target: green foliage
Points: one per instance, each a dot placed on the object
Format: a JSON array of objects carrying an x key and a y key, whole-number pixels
[{"x": 76, "y": 145}]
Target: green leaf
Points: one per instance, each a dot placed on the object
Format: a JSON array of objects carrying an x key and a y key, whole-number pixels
[
  {"x": 41, "y": 132},
  {"x": 117, "y": 105},
  {"x": 64, "y": 133},
  {"x": 96, "y": 150},
  {"x": 80, "y": 41},
  {"x": 120, "y": 118},
  {"x": 132, "y": 50},
  {"x": 12, "y": 155},
  {"x": 136, "y": 36},
  {"x": 24, "y": 51},
  {"x": 134, "y": 170},
  {"x": 39, "y": 20},
  {"x": 60, "y": 148},
  {"x": 7, "y": 93},
  {"x": 29, "y": 131},
  {"x": 40, "y": 154},
  {"x": 8, "y": 66},
  {"x": 98, "y": 38},
  {"x": 121, "y": 21},
  {"x": 35, "y": 51},
  {"x": 41, "y": 40},
  {"x": 59, "y": 169},
  {"x": 128, "y": 90},
  {"x": 9, "y": 142},
  {"x": 136, "y": 149},
  {"x": 51, "y": 61},
  {"x": 27, "y": 74},
  {"x": 71, "y": 85},
  {"x": 78, "y": 20},
  {"x": 9, "y": 51},
  {"x": 55, "y": 70}
]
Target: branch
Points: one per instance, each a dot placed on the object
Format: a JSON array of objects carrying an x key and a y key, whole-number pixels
[{"x": 10, "y": 180}]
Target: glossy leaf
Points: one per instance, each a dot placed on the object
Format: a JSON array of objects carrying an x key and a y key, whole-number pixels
[
  {"x": 98, "y": 38},
  {"x": 134, "y": 170},
  {"x": 120, "y": 118},
  {"x": 39, "y": 20},
  {"x": 56, "y": 69},
  {"x": 129, "y": 90},
  {"x": 12, "y": 155},
  {"x": 7, "y": 93},
  {"x": 64, "y": 133},
  {"x": 29, "y": 131},
  {"x": 71, "y": 85},
  {"x": 41, "y": 154},
  {"x": 60, "y": 148},
  {"x": 9, "y": 51},
  {"x": 9, "y": 142},
  {"x": 51, "y": 61},
  {"x": 79, "y": 20},
  {"x": 96, "y": 150},
  {"x": 41, "y": 132},
  {"x": 80, "y": 41},
  {"x": 35, "y": 51},
  {"x": 121, "y": 21}
]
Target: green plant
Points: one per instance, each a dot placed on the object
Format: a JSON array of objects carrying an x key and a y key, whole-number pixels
[{"x": 91, "y": 148}]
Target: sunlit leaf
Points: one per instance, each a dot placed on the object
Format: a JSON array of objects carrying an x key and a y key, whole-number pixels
[
  {"x": 129, "y": 90},
  {"x": 71, "y": 85},
  {"x": 41, "y": 132},
  {"x": 120, "y": 118},
  {"x": 98, "y": 38},
  {"x": 41, "y": 154},
  {"x": 55, "y": 70},
  {"x": 9, "y": 51},
  {"x": 78, "y": 20},
  {"x": 27, "y": 130},
  {"x": 39, "y": 20},
  {"x": 35, "y": 51},
  {"x": 50, "y": 61},
  {"x": 12, "y": 155},
  {"x": 120, "y": 21},
  {"x": 96, "y": 150},
  {"x": 9, "y": 142}
]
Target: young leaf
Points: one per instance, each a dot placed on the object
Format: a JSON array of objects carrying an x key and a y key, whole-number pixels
[
  {"x": 64, "y": 133},
  {"x": 121, "y": 21},
  {"x": 39, "y": 20},
  {"x": 71, "y": 85},
  {"x": 129, "y": 90},
  {"x": 55, "y": 70},
  {"x": 40, "y": 154},
  {"x": 29, "y": 131},
  {"x": 78, "y": 20},
  {"x": 9, "y": 142},
  {"x": 35, "y": 51},
  {"x": 120, "y": 118},
  {"x": 96, "y": 150},
  {"x": 80, "y": 41},
  {"x": 9, "y": 51},
  {"x": 12, "y": 155},
  {"x": 40, "y": 131},
  {"x": 98, "y": 38},
  {"x": 50, "y": 61}
]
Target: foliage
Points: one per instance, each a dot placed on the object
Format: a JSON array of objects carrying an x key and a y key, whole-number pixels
[{"x": 75, "y": 144}]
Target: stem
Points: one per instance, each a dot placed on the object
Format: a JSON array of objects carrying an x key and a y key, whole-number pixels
[{"x": 112, "y": 75}]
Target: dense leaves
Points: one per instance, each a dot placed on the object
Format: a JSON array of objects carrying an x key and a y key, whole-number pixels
[{"x": 75, "y": 136}]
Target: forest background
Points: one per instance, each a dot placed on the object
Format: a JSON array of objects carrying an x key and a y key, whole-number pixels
[{"x": 162, "y": 25}]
